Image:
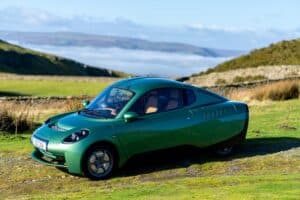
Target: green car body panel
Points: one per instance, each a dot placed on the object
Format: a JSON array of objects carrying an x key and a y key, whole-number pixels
[{"x": 209, "y": 120}]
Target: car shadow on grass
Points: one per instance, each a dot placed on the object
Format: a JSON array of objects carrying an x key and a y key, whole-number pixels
[{"x": 185, "y": 156}]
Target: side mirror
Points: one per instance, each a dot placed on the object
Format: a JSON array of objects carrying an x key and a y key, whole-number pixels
[
  {"x": 85, "y": 103},
  {"x": 130, "y": 116}
]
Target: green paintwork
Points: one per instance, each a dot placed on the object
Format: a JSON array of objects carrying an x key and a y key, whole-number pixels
[
  {"x": 202, "y": 123},
  {"x": 130, "y": 116}
]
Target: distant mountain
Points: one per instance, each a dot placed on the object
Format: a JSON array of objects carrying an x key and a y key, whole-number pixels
[
  {"x": 102, "y": 41},
  {"x": 15, "y": 59},
  {"x": 281, "y": 53}
]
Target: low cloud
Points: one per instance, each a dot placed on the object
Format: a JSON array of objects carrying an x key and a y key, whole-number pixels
[{"x": 135, "y": 61}]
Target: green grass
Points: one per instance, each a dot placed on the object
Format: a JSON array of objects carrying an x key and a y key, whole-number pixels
[
  {"x": 226, "y": 187},
  {"x": 269, "y": 120},
  {"x": 52, "y": 87},
  {"x": 267, "y": 167}
]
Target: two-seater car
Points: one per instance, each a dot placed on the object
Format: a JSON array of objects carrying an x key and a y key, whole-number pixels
[{"x": 134, "y": 116}]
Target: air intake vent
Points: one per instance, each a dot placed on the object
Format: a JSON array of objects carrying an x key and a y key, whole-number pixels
[{"x": 56, "y": 128}]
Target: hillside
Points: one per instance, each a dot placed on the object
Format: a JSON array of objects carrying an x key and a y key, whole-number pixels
[
  {"x": 106, "y": 41},
  {"x": 282, "y": 53},
  {"x": 15, "y": 59}
]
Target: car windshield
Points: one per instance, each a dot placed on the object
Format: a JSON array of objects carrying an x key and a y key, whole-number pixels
[{"x": 109, "y": 103}]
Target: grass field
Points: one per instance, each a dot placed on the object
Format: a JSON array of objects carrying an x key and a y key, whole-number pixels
[
  {"x": 52, "y": 87},
  {"x": 267, "y": 166}
]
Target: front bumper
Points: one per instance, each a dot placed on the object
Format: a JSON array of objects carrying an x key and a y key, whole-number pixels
[
  {"x": 49, "y": 160},
  {"x": 70, "y": 160},
  {"x": 41, "y": 158}
]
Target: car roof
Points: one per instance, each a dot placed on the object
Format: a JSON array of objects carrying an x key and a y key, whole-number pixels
[{"x": 143, "y": 84}]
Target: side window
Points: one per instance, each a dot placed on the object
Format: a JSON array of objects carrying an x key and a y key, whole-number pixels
[
  {"x": 189, "y": 97},
  {"x": 159, "y": 100},
  {"x": 174, "y": 99}
]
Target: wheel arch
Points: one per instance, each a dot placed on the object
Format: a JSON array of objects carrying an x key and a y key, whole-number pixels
[{"x": 101, "y": 143}]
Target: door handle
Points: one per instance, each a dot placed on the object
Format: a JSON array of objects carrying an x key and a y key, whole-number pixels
[{"x": 190, "y": 114}]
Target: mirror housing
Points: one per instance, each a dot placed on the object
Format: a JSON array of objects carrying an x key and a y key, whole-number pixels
[
  {"x": 130, "y": 116},
  {"x": 85, "y": 103}
]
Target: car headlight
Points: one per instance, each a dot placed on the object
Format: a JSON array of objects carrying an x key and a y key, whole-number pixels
[{"x": 75, "y": 137}]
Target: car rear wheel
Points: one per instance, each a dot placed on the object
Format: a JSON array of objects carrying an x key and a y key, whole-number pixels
[
  {"x": 224, "y": 150},
  {"x": 99, "y": 162},
  {"x": 230, "y": 146}
]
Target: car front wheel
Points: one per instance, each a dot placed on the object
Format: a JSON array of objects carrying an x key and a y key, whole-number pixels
[{"x": 99, "y": 162}]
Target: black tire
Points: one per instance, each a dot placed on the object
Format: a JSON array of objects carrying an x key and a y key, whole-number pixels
[
  {"x": 99, "y": 162},
  {"x": 224, "y": 151},
  {"x": 228, "y": 147}
]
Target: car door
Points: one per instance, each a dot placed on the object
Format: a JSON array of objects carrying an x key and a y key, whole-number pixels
[{"x": 164, "y": 126}]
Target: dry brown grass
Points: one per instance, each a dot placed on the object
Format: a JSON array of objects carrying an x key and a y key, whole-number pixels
[
  {"x": 20, "y": 116},
  {"x": 72, "y": 105},
  {"x": 279, "y": 91},
  {"x": 17, "y": 118}
]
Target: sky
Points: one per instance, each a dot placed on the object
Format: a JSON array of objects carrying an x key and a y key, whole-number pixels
[
  {"x": 230, "y": 24},
  {"x": 230, "y": 14}
]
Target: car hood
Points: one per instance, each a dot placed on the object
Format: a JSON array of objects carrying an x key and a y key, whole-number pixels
[
  {"x": 61, "y": 128},
  {"x": 79, "y": 121}
]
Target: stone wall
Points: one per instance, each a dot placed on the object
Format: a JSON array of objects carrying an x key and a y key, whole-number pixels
[
  {"x": 42, "y": 100},
  {"x": 270, "y": 72}
]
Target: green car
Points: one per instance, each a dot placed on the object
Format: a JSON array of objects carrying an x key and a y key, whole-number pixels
[{"x": 134, "y": 116}]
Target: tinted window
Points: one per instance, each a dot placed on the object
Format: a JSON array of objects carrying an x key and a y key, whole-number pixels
[
  {"x": 159, "y": 100},
  {"x": 188, "y": 97}
]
